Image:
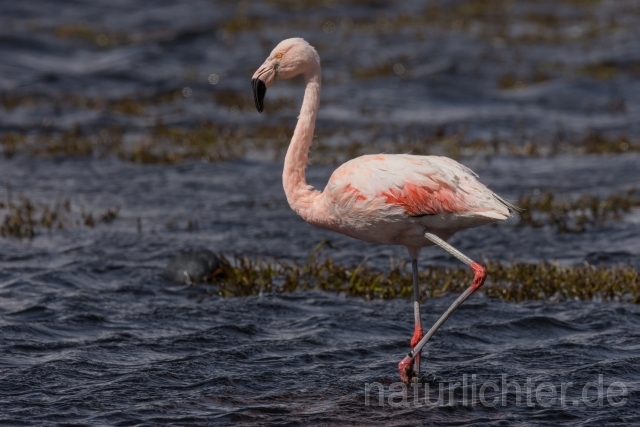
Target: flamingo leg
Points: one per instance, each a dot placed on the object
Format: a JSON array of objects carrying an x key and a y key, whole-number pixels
[
  {"x": 417, "y": 332},
  {"x": 480, "y": 274}
]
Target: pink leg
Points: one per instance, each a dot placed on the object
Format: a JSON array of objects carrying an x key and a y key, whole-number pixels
[{"x": 480, "y": 274}]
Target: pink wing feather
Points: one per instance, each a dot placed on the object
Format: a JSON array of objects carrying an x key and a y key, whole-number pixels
[{"x": 420, "y": 185}]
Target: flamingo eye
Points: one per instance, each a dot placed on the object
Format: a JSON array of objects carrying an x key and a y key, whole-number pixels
[{"x": 279, "y": 55}]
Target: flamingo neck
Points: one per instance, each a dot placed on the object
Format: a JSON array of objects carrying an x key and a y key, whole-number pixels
[{"x": 300, "y": 195}]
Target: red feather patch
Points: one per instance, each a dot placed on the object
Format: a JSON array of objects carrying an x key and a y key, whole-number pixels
[{"x": 417, "y": 200}]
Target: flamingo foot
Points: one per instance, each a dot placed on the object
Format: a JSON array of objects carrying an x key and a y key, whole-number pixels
[{"x": 405, "y": 368}]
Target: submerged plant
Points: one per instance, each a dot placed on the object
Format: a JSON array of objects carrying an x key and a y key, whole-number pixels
[
  {"x": 26, "y": 218},
  {"x": 574, "y": 214},
  {"x": 334, "y": 144},
  {"x": 243, "y": 276}
]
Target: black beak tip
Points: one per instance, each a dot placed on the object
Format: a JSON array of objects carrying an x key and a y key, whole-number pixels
[{"x": 259, "y": 90}]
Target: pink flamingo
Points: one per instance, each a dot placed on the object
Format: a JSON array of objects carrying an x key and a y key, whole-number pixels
[{"x": 389, "y": 199}]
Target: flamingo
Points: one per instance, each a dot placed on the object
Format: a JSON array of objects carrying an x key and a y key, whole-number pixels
[{"x": 389, "y": 199}]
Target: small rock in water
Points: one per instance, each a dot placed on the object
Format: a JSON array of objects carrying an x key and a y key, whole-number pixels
[{"x": 191, "y": 266}]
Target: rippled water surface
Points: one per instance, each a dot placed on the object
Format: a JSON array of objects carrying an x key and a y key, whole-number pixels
[{"x": 91, "y": 334}]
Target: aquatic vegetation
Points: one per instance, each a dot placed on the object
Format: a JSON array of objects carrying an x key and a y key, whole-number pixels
[
  {"x": 583, "y": 3},
  {"x": 12, "y": 99},
  {"x": 306, "y": 4},
  {"x": 100, "y": 37},
  {"x": 576, "y": 214},
  {"x": 128, "y": 105},
  {"x": 27, "y": 218},
  {"x": 11, "y": 142},
  {"x": 495, "y": 28},
  {"x": 597, "y": 143},
  {"x": 455, "y": 144},
  {"x": 241, "y": 23},
  {"x": 382, "y": 69},
  {"x": 243, "y": 276},
  {"x": 498, "y": 21},
  {"x": 489, "y": 19},
  {"x": 511, "y": 81},
  {"x": 135, "y": 104},
  {"x": 173, "y": 145},
  {"x": 73, "y": 142},
  {"x": 209, "y": 141},
  {"x": 106, "y": 217},
  {"x": 600, "y": 70}
]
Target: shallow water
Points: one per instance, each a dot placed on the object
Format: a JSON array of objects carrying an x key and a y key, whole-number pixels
[
  {"x": 90, "y": 332},
  {"x": 124, "y": 350}
]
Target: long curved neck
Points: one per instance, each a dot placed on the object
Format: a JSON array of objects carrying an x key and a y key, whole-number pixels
[{"x": 300, "y": 195}]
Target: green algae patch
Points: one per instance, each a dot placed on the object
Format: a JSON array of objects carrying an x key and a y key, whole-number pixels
[
  {"x": 382, "y": 69},
  {"x": 511, "y": 81},
  {"x": 241, "y": 23},
  {"x": 600, "y": 70},
  {"x": 23, "y": 217},
  {"x": 175, "y": 145},
  {"x": 596, "y": 143},
  {"x": 575, "y": 214},
  {"x": 209, "y": 142},
  {"x": 243, "y": 276}
]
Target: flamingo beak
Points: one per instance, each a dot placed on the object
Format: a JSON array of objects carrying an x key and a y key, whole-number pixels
[
  {"x": 259, "y": 90},
  {"x": 261, "y": 80}
]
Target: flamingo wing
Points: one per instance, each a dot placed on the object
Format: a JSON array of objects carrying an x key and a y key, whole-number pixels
[{"x": 419, "y": 185}]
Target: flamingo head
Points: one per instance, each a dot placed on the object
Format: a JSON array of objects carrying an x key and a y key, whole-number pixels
[{"x": 290, "y": 58}]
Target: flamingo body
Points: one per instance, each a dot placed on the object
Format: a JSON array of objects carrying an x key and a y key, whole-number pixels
[
  {"x": 389, "y": 199},
  {"x": 392, "y": 199}
]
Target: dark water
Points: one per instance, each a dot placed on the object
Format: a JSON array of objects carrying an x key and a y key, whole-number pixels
[{"x": 91, "y": 335}]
